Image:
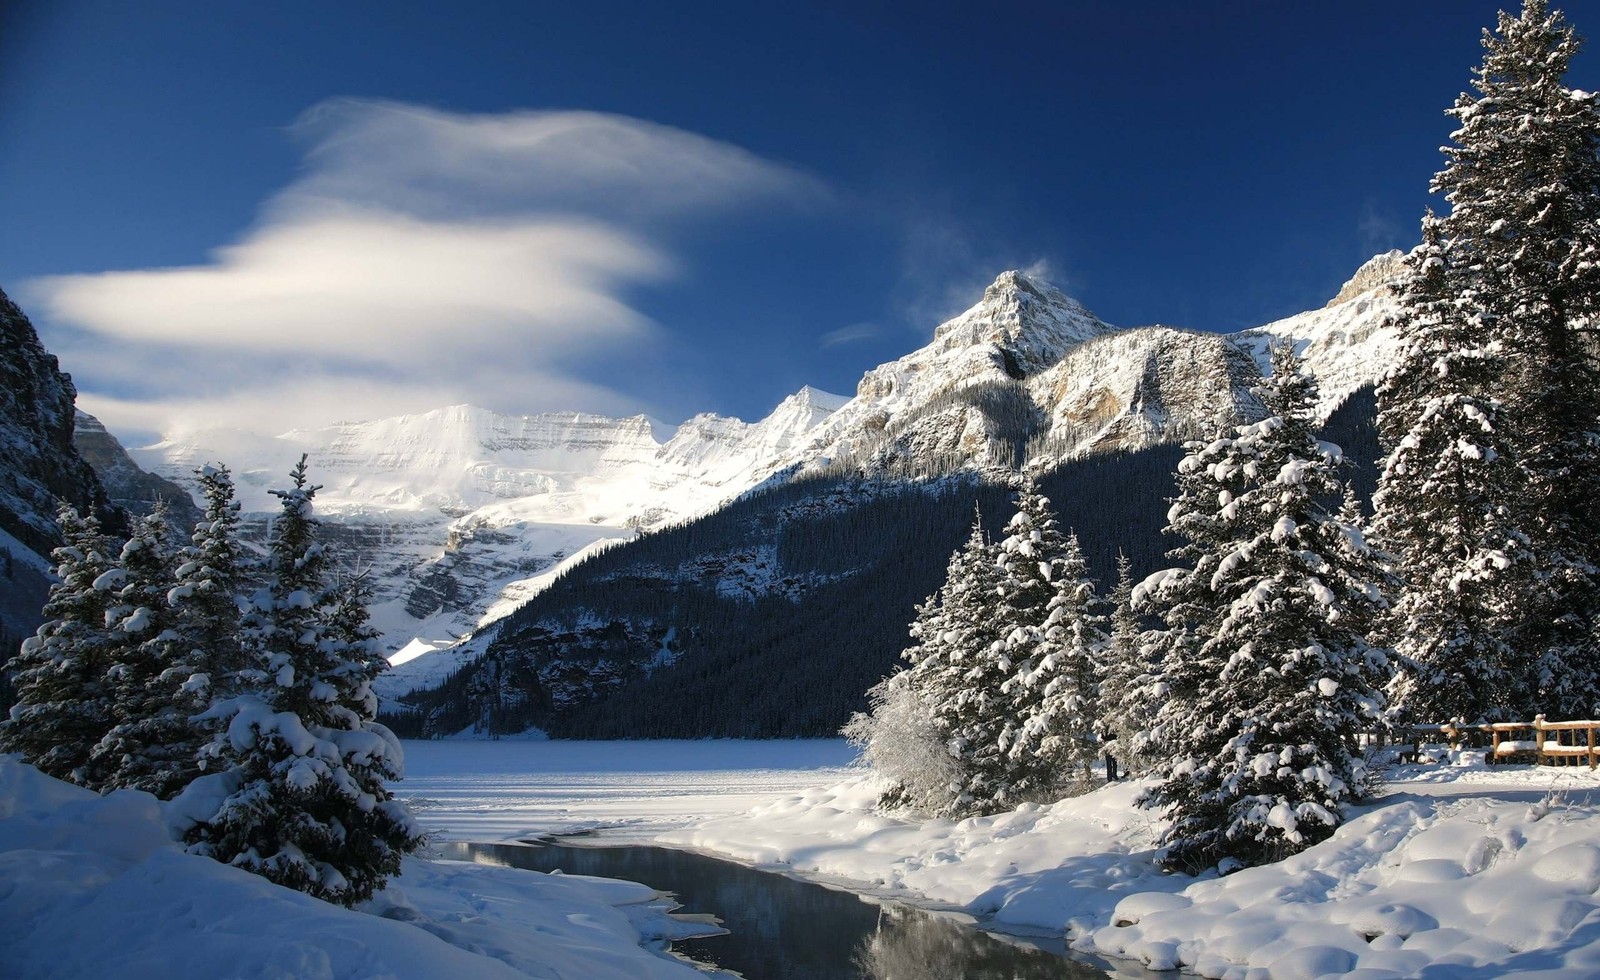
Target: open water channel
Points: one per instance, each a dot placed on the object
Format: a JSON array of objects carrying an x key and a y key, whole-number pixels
[{"x": 781, "y": 928}]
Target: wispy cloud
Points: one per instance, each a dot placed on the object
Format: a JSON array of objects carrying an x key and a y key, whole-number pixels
[
  {"x": 944, "y": 269},
  {"x": 1379, "y": 232},
  {"x": 852, "y": 334},
  {"x": 423, "y": 258}
]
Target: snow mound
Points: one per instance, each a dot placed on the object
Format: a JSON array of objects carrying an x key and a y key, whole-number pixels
[{"x": 91, "y": 886}]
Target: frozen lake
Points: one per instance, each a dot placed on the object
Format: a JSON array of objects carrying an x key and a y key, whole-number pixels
[{"x": 516, "y": 789}]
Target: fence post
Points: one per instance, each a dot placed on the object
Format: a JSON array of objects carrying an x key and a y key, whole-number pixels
[
  {"x": 1591, "y": 748},
  {"x": 1538, "y": 738}
]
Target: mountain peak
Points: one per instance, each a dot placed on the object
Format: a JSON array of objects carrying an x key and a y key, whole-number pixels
[
  {"x": 1377, "y": 272},
  {"x": 827, "y": 401},
  {"x": 1015, "y": 280},
  {"x": 1032, "y": 322}
]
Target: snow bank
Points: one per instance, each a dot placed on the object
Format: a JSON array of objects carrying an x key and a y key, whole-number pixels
[
  {"x": 1037, "y": 867},
  {"x": 1461, "y": 871},
  {"x": 92, "y": 886},
  {"x": 1474, "y": 885}
]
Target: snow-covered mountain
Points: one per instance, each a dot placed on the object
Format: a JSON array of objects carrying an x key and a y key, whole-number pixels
[
  {"x": 129, "y": 487},
  {"x": 464, "y": 512},
  {"x": 461, "y": 511},
  {"x": 1030, "y": 366}
]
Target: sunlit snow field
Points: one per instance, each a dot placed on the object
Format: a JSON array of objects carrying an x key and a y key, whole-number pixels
[
  {"x": 1459, "y": 868},
  {"x": 516, "y": 788}
]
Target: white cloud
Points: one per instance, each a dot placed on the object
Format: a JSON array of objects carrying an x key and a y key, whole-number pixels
[
  {"x": 424, "y": 258},
  {"x": 431, "y": 162},
  {"x": 854, "y": 333}
]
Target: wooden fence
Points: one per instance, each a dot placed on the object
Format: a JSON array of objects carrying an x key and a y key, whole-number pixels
[{"x": 1547, "y": 743}]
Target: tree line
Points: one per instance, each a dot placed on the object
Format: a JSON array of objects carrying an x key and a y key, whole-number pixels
[
  {"x": 1295, "y": 624},
  {"x": 236, "y": 685}
]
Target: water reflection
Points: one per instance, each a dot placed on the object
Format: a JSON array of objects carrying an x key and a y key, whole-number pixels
[
  {"x": 912, "y": 945},
  {"x": 784, "y": 929}
]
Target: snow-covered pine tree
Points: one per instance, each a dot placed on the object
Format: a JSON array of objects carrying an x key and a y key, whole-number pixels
[
  {"x": 213, "y": 574},
  {"x": 302, "y": 795},
  {"x": 960, "y": 673},
  {"x": 152, "y": 746},
  {"x": 1443, "y": 506},
  {"x": 1057, "y": 688},
  {"x": 1521, "y": 249},
  {"x": 1269, "y": 672},
  {"x": 63, "y": 705},
  {"x": 1127, "y": 695},
  {"x": 349, "y": 625},
  {"x": 908, "y": 736}
]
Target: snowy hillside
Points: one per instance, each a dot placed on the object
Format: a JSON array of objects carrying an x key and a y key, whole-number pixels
[
  {"x": 458, "y": 507},
  {"x": 465, "y": 512}
]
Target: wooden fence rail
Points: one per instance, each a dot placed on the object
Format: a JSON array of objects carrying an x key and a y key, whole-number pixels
[{"x": 1547, "y": 743}]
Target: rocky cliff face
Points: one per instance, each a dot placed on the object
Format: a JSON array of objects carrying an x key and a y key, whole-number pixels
[
  {"x": 128, "y": 486},
  {"x": 1136, "y": 388},
  {"x": 1377, "y": 273},
  {"x": 41, "y": 465}
]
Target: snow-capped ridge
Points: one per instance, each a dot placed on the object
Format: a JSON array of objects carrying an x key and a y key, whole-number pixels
[
  {"x": 817, "y": 399},
  {"x": 1025, "y": 317},
  {"x": 1348, "y": 343},
  {"x": 1376, "y": 273}
]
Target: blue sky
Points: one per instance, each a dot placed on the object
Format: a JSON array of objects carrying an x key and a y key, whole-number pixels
[{"x": 285, "y": 213}]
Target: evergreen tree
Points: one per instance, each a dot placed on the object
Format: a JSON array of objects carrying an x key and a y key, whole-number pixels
[
  {"x": 958, "y": 669},
  {"x": 1127, "y": 698},
  {"x": 1003, "y": 676},
  {"x": 213, "y": 575},
  {"x": 1521, "y": 256},
  {"x": 1057, "y": 689},
  {"x": 152, "y": 746},
  {"x": 64, "y": 704},
  {"x": 349, "y": 624},
  {"x": 1443, "y": 507},
  {"x": 1268, "y": 670},
  {"x": 305, "y": 804},
  {"x": 1030, "y": 561}
]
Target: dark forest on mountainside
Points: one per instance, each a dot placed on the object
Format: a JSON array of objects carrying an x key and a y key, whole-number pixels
[{"x": 638, "y": 642}]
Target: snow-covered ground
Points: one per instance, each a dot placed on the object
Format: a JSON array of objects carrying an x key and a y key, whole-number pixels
[
  {"x": 93, "y": 887},
  {"x": 1458, "y": 871}
]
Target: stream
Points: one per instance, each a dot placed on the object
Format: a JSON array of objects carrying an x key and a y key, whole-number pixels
[{"x": 782, "y": 928}]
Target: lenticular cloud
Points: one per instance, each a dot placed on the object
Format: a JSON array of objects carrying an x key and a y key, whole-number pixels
[{"x": 417, "y": 246}]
